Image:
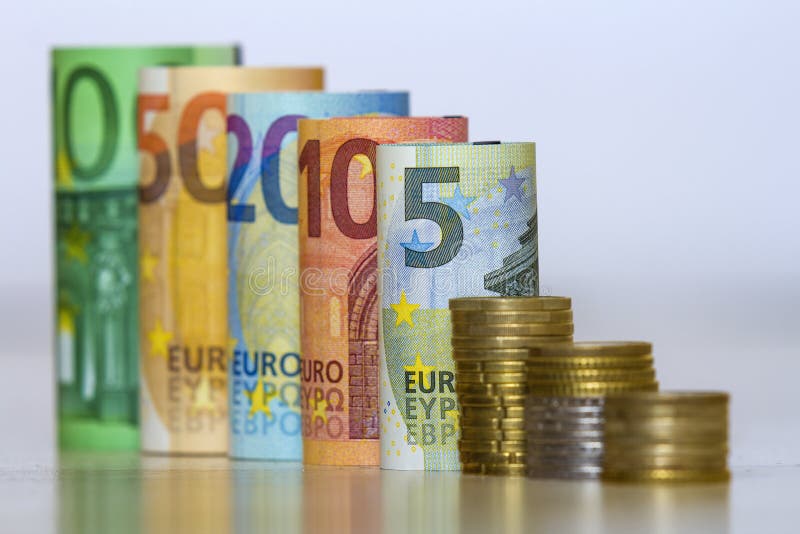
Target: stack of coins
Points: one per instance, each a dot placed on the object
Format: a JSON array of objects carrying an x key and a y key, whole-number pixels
[
  {"x": 676, "y": 437},
  {"x": 491, "y": 340},
  {"x": 564, "y": 411}
]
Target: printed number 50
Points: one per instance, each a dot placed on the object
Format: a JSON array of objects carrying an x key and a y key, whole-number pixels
[{"x": 443, "y": 215}]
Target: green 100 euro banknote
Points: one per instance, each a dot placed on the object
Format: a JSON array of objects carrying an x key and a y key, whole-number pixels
[
  {"x": 454, "y": 220},
  {"x": 96, "y": 167}
]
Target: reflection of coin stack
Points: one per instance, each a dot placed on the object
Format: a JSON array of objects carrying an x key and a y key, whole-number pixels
[
  {"x": 680, "y": 437},
  {"x": 492, "y": 337},
  {"x": 564, "y": 412}
]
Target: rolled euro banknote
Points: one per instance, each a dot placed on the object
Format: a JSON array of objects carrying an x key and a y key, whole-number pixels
[
  {"x": 96, "y": 179},
  {"x": 183, "y": 247},
  {"x": 339, "y": 303},
  {"x": 263, "y": 295},
  {"x": 454, "y": 221}
]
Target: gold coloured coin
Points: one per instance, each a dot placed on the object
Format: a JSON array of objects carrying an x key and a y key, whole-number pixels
[
  {"x": 500, "y": 411},
  {"x": 506, "y": 342},
  {"x": 537, "y": 361},
  {"x": 592, "y": 375},
  {"x": 660, "y": 434},
  {"x": 548, "y": 329},
  {"x": 543, "y": 383},
  {"x": 665, "y": 475},
  {"x": 491, "y": 389},
  {"x": 511, "y": 317},
  {"x": 491, "y": 378},
  {"x": 667, "y": 462},
  {"x": 511, "y": 303},
  {"x": 486, "y": 355},
  {"x": 473, "y": 434},
  {"x": 493, "y": 422},
  {"x": 494, "y": 469},
  {"x": 496, "y": 401},
  {"x": 678, "y": 423},
  {"x": 491, "y": 446},
  {"x": 472, "y": 469},
  {"x": 590, "y": 389},
  {"x": 493, "y": 457},
  {"x": 670, "y": 398},
  {"x": 636, "y": 411},
  {"x": 500, "y": 366},
  {"x": 600, "y": 348},
  {"x": 638, "y": 448}
]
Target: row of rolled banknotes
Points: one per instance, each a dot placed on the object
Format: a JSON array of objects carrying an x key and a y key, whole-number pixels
[{"x": 248, "y": 265}]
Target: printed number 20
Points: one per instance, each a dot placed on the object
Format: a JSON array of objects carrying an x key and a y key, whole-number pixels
[
  {"x": 270, "y": 171},
  {"x": 441, "y": 214}
]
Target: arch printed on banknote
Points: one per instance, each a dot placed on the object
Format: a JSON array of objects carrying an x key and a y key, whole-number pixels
[{"x": 339, "y": 280}]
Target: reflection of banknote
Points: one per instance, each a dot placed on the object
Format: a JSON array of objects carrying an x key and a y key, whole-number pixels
[
  {"x": 266, "y": 500},
  {"x": 413, "y": 503},
  {"x": 342, "y": 500},
  {"x": 183, "y": 246},
  {"x": 181, "y": 494},
  {"x": 263, "y": 298},
  {"x": 96, "y": 176},
  {"x": 454, "y": 221},
  {"x": 112, "y": 505},
  {"x": 338, "y": 279}
]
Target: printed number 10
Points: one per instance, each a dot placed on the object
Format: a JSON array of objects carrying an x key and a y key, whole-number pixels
[{"x": 309, "y": 161}]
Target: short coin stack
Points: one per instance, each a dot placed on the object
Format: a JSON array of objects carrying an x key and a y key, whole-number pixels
[
  {"x": 491, "y": 340},
  {"x": 564, "y": 411},
  {"x": 675, "y": 437}
]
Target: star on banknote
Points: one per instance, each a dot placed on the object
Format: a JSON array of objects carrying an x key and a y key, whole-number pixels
[
  {"x": 513, "y": 186},
  {"x": 159, "y": 340},
  {"x": 404, "y": 309},
  {"x": 415, "y": 244},
  {"x": 259, "y": 399},
  {"x": 420, "y": 367},
  {"x": 459, "y": 202}
]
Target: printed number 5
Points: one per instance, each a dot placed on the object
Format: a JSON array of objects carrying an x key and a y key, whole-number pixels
[{"x": 443, "y": 215}]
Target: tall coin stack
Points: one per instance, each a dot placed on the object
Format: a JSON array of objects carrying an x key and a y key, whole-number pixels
[
  {"x": 492, "y": 337},
  {"x": 564, "y": 411},
  {"x": 666, "y": 437}
]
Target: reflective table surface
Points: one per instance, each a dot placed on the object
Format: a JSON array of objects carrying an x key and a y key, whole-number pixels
[
  {"x": 754, "y": 355},
  {"x": 129, "y": 493}
]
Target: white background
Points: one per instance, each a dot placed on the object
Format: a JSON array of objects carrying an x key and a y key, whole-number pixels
[{"x": 668, "y": 166}]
